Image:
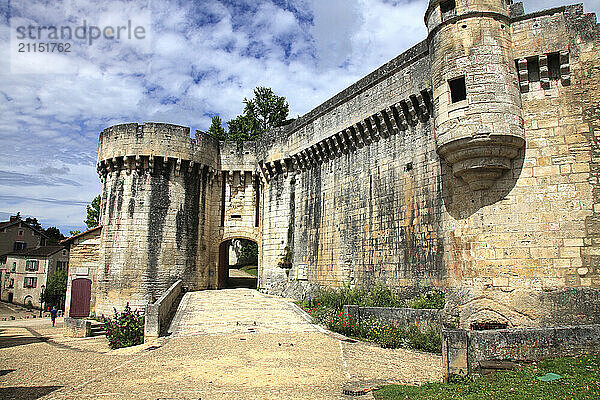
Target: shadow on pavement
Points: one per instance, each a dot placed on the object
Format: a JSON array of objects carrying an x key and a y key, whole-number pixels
[
  {"x": 6, "y": 371},
  {"x": 17, "y": 340},
  {"x": 26, "y": 393}
]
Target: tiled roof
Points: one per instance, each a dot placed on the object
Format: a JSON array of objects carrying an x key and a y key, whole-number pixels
[
  {"x": 44, "y": 251},
  {"x": 70, "y": 239},
  {"x": 7, "y": 224}
]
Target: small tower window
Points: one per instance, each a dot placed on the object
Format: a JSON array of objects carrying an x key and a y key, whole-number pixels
[
  {"x": 448, "y": 9},
  {"x": 554, "y": 66},
  {"x": 458, "y": 89},
  {"x": 533, "y": 69}
]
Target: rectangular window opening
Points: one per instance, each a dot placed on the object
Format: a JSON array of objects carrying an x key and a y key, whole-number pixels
[
  {"x": 32, "y": 265},
  {"x": 448, "y": 9},
  {"x": 458, "y": 89},
  {"x": 533, "y": 69},
  {"x": 554, "y": 66},
  {"x": 30, "y": 282}
]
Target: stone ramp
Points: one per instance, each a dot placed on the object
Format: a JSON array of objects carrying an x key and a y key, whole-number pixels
[{"x": 237, "y": 311}]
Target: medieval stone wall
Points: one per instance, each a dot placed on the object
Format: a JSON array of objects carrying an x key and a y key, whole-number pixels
[
  {"x": 521, "y": 252},
  {"x": 493, "y": 198}
]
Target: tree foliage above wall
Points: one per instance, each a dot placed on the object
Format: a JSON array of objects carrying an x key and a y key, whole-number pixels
[
  {"x": 263, "y": 112},
  {"x": 93, "y": 213}
]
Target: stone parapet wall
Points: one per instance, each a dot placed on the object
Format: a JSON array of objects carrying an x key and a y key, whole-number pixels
[
  {"x": 397, "y": 316},
  {"x": 159, "y": 313},
  {"x": 474, "y": 352}
]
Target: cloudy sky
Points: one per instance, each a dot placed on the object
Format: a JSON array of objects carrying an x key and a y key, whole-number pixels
[{"x": 196, "y": 59}]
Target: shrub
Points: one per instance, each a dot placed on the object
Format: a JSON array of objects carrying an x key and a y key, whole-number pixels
[
  {"x": 432, "y": 300},
  {"x": 124, "y": 329},
  {"x": 342, "y": 323},
  {"x": 327, "y": 309},
  {"x": 378, "y": 296},
  {"x": 429, "y": 340}
]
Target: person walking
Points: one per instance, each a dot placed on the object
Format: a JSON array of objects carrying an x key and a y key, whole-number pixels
[{"x": 53, "y": 315}]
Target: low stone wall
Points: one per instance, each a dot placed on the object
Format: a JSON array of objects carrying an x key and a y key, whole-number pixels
[
  {"x": 397, "y": 316},
  {"x": 475, "y": 352},
  {"x": 77, "y": 328},
  {"x": 157, "y": 314}
]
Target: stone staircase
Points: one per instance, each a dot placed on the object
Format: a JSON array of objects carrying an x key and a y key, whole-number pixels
[{"x": 98, "y": 329}]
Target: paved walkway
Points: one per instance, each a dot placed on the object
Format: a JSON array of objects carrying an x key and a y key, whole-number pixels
[
  {"x": 283, "y": 356},
  {"x": 237, "y": 311}
]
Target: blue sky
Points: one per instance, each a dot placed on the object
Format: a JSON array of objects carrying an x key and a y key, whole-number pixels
[{"x": 198, "y": 59}]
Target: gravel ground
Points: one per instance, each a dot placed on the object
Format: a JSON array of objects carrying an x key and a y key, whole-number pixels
[{"x": 282, "y": 356}]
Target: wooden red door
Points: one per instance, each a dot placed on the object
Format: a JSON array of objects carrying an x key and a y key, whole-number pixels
[{"x": 81, "y": 292}]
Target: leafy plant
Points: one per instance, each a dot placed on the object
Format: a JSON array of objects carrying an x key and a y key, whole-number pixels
[
  {"x": 248, "y": 254},
  {"x": 93, "y": 213},
  {"x": 435, "y": 299},
  {"x": 327, "y": 308},
  {"x": 124, "y": 329},
  {"x": 286, "y": 260},
  {"x": 56, "y": 290}
]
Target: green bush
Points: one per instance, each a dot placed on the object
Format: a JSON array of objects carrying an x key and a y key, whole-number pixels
[
  {"x": 428, "y": 340},
  {"x": 327, "y": 309},
  {"x": 378, "y": 296},
  {"x": 124, "y": 329},
  {"x": 432, "y": 300}
]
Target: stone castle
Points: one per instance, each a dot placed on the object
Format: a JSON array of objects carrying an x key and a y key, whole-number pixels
[{"x": 469, "y": 163}]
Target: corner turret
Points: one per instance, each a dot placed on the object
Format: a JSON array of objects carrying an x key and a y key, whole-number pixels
[{"x": 477, "y": 103}]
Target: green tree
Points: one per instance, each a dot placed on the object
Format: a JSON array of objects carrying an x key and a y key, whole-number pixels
[
  {"x": 56, "y": 289},
  {"x": 54, "y": 235},
  {"x": 216, "y": 129},
  {"x": 93, "y": 213},
  {"x": 74, "y": 233},
  {"x": 241, "y": 128},
  {"x": 263, "y": 112},
  {"x": 34, "y": 223},
  {"x": 267, "y": 109}
]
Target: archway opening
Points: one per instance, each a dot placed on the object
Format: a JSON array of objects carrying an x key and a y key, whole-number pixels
[{"x": 238, "y": 264}]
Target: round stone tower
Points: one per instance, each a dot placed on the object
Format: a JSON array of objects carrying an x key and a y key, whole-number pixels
[
  {"x": 154, "y": 178},
  {"x": 477, "y": 101}
]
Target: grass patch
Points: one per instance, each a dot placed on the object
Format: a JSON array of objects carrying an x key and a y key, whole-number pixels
[
  {"x": 251, "y": 269},
  {"x": 580, "y": 380}
]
